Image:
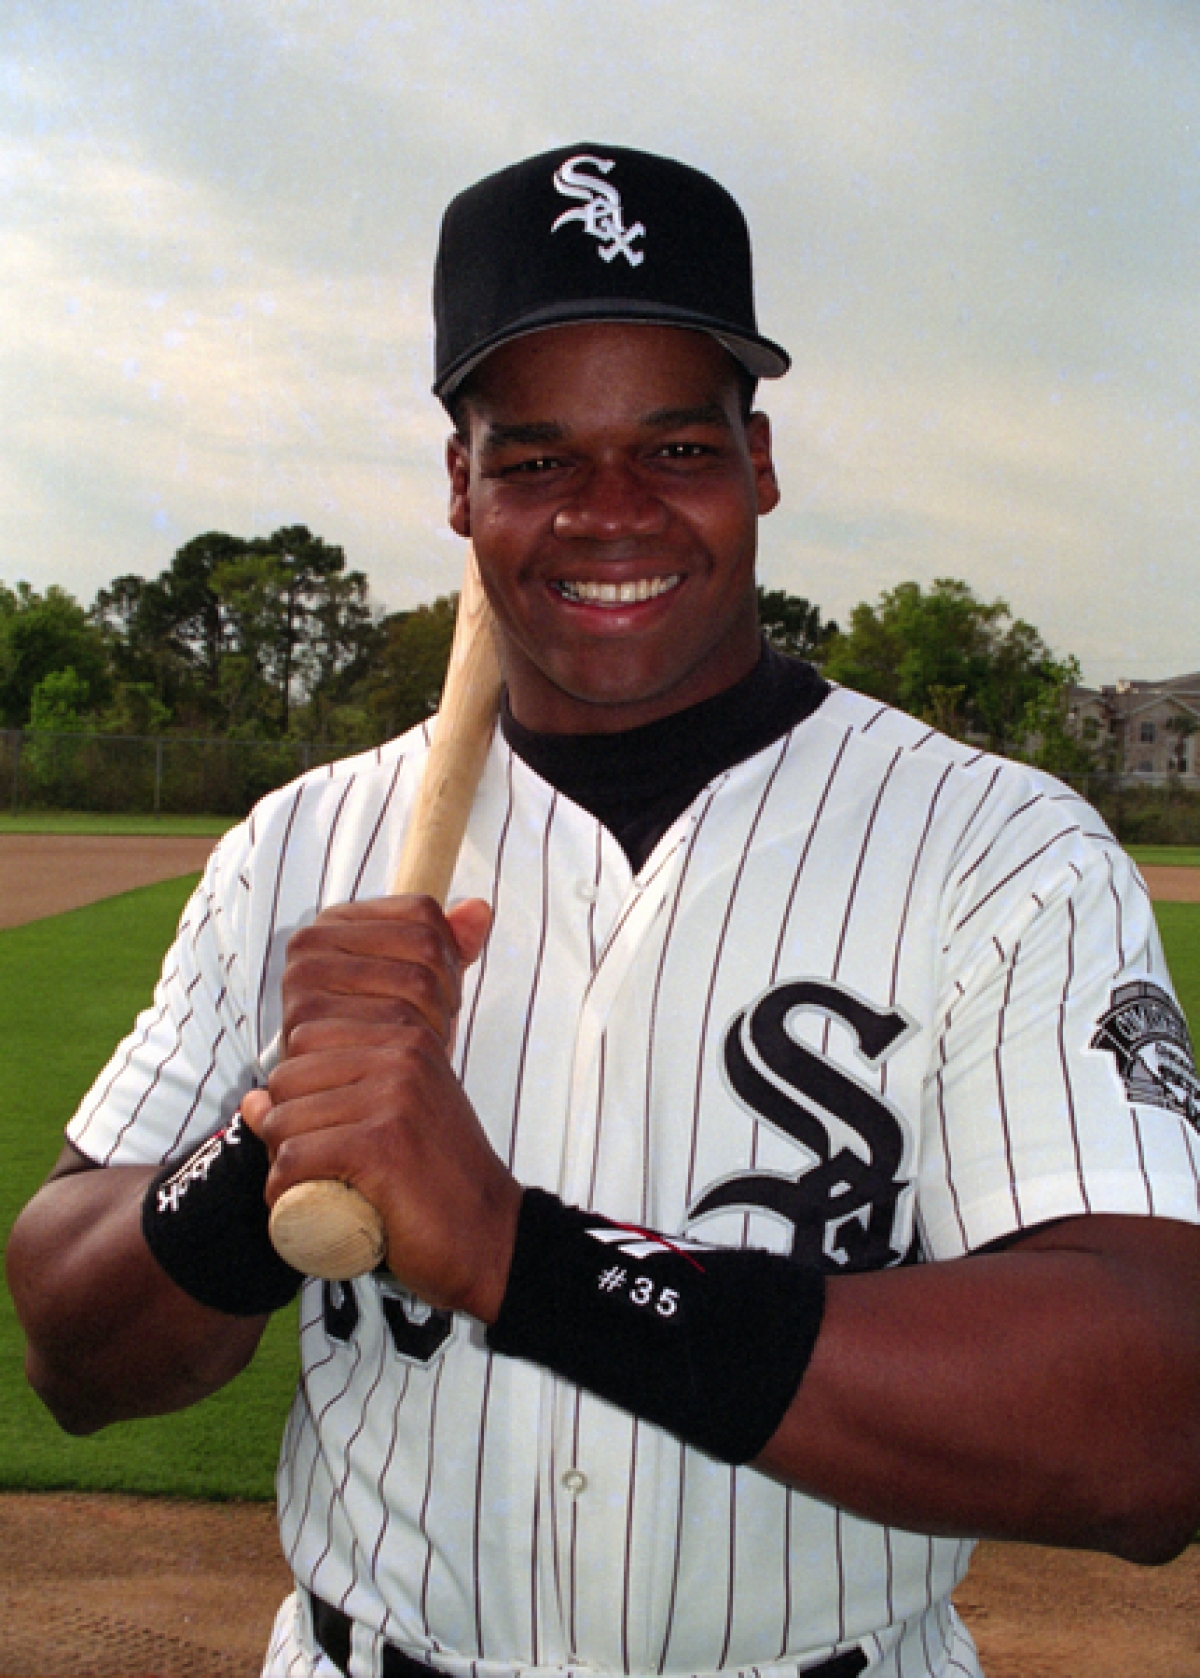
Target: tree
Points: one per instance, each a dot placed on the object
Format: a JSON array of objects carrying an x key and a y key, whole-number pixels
[
  {"x": 794, "y": 624},
  {"x": 411, "y": 665},
  {"x": 965, "y": 665},
  {"x": 237, "y": 632},
  {"x": 249, "y": 588},
  {"x": 41, "y": 635},
  {"x": 1051, "y": 742},
  {"x": 345, "y": 640},
  {"x": 171, "y": 631},
  {"x": 135, "y": 709},
  {"x": 59, "y": 702},
  {"x": 299, "y": 609}
]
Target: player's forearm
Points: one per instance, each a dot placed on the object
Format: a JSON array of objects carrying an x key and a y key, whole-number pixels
[
  {"x": 1050, "y": 1395},
  {"x": 110, "y": 1336}
]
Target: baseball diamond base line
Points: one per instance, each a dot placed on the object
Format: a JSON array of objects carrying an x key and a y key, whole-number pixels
[{"x": 107, "y": 1586}]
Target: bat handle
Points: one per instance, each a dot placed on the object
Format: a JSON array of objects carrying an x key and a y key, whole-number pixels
[{"x": 329, "y": 1229}]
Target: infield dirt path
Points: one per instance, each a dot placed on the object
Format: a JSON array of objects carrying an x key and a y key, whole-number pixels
[
  {"x": 46, "y": 873},
  {"x": 1173, "y": 885},
  {"x": 122, "y": 1587}
]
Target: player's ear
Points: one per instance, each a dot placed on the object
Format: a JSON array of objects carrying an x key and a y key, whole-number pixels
[
  {"x": 758, "y": 438},
  {"x": 458, "y": 466}
]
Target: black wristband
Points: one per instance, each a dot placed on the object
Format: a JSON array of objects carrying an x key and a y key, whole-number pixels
[
  {"x": 708, "y": 1342},
  {"x": 205, "y": 1220}
]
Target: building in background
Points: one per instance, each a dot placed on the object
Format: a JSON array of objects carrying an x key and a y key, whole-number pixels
[{"x": 1146, "y": 732}]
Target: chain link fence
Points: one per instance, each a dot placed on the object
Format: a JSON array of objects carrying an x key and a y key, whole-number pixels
[
  {"x": 137, "y": 775},
  {"x": 167, "y": 775}
]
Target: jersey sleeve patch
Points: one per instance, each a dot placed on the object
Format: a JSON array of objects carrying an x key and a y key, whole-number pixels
[{"x": 1146, "y": 1034}]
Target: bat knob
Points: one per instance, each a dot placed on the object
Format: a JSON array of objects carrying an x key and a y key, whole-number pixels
[{"x": 327, "y": 1229}]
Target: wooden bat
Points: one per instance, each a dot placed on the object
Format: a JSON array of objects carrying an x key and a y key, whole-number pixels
[{"x": 329, "y": 1229}]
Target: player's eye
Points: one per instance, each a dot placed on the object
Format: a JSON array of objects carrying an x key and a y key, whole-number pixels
[
  {"x": 534, "y": 465},
  {"x": 684, "y": 451}
]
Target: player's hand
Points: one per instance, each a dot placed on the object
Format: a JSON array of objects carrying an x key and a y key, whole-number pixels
[
  {"x": 367, "y": 1094},
  {"x": 391, "y": 961}
]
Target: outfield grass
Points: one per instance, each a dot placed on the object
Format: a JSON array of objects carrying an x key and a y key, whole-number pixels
[
  {"x": 1179, "y": 924},
  {"x": 1166, "y": 856},
  {"x": 81, "y": 821},
  {"x": 72, "y": 985}
]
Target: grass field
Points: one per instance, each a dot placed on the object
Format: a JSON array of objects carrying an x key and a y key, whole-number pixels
[
  {"x": 1167, "y": 856},
  {"x": 80, "y": 821},
  {"x": 72, "y": 985},
  {"x": 1179, "y": 924}
]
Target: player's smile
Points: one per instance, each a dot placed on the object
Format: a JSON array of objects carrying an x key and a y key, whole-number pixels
[
  {"x": 609, "y": 594},
  {"x": 613, "y": 488}
]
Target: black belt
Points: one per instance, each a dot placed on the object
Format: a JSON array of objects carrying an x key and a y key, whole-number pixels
[{"x": 332, "y": 1629}]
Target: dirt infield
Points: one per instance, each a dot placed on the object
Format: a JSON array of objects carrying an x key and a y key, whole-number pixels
[
  {"x": 1038, "y": 1613},
  {"x": 46, "y": 873},
  {"x": 122, "y": 1587},
  {"x": 1173, "y": 885}
]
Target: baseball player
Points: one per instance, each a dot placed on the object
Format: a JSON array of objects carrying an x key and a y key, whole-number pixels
[{"x": 786, "y": 1143}]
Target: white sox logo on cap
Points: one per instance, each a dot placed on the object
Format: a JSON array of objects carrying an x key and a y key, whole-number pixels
[{"x": 600, "y": 212}]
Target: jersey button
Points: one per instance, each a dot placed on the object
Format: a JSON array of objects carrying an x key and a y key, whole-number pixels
[
  {"x": 575, "y": 1481},
  {"x": 587, "y": 890}
]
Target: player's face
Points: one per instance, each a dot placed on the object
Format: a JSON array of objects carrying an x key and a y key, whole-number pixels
[{"x": 612, "y": 490}]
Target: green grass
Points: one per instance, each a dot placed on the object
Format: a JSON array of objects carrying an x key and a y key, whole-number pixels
[
  {"x": 81, "y": 821},
  {"x": 1179, "y": 924},
  {"x": 72, "y": 985},
  {"x": 1168, "y": 856}
]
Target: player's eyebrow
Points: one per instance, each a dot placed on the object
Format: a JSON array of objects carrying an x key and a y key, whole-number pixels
[
  {"x": 542, "y": 433},
  {"x": 533, "y": 433},
  {"x": 670, "y": 419}
]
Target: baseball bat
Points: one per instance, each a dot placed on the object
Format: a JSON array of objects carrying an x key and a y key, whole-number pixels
[{"x": 329, "y": 1229}]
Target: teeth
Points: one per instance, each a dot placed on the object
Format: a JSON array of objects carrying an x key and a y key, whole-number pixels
[{"x": 618, "y": 594}]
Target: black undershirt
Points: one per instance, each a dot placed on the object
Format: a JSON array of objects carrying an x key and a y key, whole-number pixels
[{"x": 639, "y": 781}]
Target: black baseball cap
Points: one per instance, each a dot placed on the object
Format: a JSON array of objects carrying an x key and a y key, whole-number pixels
[{"x": 592, "y": 233}]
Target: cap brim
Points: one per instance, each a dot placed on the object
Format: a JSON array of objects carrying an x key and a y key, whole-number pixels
[{"x": 762, "y": 358}]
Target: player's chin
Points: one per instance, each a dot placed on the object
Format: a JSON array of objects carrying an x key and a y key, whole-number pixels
[{"x": 615, "y": 690}]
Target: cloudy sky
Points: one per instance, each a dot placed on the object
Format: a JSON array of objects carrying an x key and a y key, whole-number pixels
[{"x": 977, "y": 228}]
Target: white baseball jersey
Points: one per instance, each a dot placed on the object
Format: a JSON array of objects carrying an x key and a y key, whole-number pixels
[{"x": 874, "y": 994}]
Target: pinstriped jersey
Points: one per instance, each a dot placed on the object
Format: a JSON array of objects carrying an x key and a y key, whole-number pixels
[{"x": 874, "y": 997}]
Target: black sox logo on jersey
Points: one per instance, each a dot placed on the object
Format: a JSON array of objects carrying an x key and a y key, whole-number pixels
[{"x": 843, "y": 1209}]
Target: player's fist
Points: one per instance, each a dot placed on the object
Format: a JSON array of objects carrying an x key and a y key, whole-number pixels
[
  {"x": 387, "y": 1115},
  {"x": 388, "y": 962},
  {"x": 366, "y": 1094}
]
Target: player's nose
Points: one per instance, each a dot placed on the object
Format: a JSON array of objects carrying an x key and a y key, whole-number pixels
[{"x": 612, "y": 503}]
